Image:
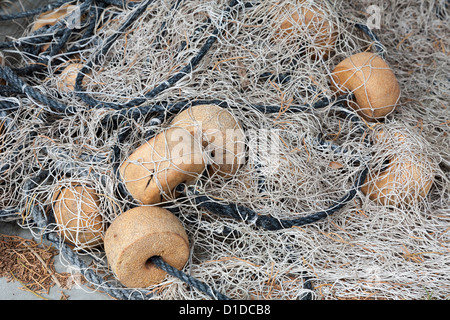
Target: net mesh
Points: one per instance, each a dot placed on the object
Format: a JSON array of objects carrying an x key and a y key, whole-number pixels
[{"x": 393, "y": 246}]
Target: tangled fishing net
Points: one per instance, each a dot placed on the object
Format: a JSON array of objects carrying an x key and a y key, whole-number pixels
[{"x": 137, "y": 65}]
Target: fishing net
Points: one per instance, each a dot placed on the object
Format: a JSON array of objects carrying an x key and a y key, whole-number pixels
[{"x": 85, "y": 92}]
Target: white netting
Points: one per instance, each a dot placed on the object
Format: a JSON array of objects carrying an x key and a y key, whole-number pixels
[{"x": 395, "y": 250}]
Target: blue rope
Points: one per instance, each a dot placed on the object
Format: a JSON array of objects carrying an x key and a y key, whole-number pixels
[
  {"x": 200, "y": 285},
  {"x": 14, "y": 81},
  {"x": 33, "y": 12},
  {"x": 267, "y": 222}
]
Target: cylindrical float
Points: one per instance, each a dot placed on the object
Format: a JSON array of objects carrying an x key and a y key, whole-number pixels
[
  {"x": 50, "y": 18},
  {"x": 199, "y": 136},
  {"x": 68, "y": 77},
  {"x": 140, "y": 234},
  {"x": 152, "y": 172},
  {"x": 220, "y": 133}
]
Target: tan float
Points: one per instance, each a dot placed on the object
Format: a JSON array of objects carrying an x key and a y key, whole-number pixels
[
  {"x": 68, "y": 77},
  {"x": 140, "y": 234},
  {"x": 178, "y": 155},
  {"x": 298, "y": 18},
  {"x": 220, "y": 133},
  {"x": 155, "y": 169},
  {"x": 77, "y": 215},
  {"x": 50, "y": 18},
  {"x": 371, "y": 80},
  {"x": 407, "y": 179}
]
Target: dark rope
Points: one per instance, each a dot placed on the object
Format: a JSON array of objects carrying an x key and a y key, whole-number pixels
[
  {"x": 119, "y": 3},
  {"x": 268, "y": 222},
  {"x": 44, "y": 59},
  {"x": 163, "y": 109},
  {"x": 94, "y": 14},
  {"x": 30, "y": 41},
  {"x": 307, "y": 284},
  {"x": 9, "y": 214},
  {"x": 42, "y": 221},
  {"x": 14, "y": 81},
  {"x": 46, "y": 34},
  {"x": 100, "y": 53},
  {"x": 379, "y": 48},
  {"x": 56, "y": 46},
  {"x": 33, "y": 12},
  {"x": 160, "y": 263}
]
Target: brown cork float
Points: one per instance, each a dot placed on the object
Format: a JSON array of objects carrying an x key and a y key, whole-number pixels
[
  {"x": 220, "y": 133},
  {"x": 406, "y": 180},
  {"x": 155, "y": 169},
  {"x": 177, "y": 155},
  {"x": 77, "y": 215},
  {"x": 371, "y": 80},
  {"x": 68, "y": 77},
  {"x": 140, "y": 234},
  {"x": 311, "y": 20}
]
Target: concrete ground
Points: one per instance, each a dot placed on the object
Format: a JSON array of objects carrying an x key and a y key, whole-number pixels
[{"x": 13, "y": 290}]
